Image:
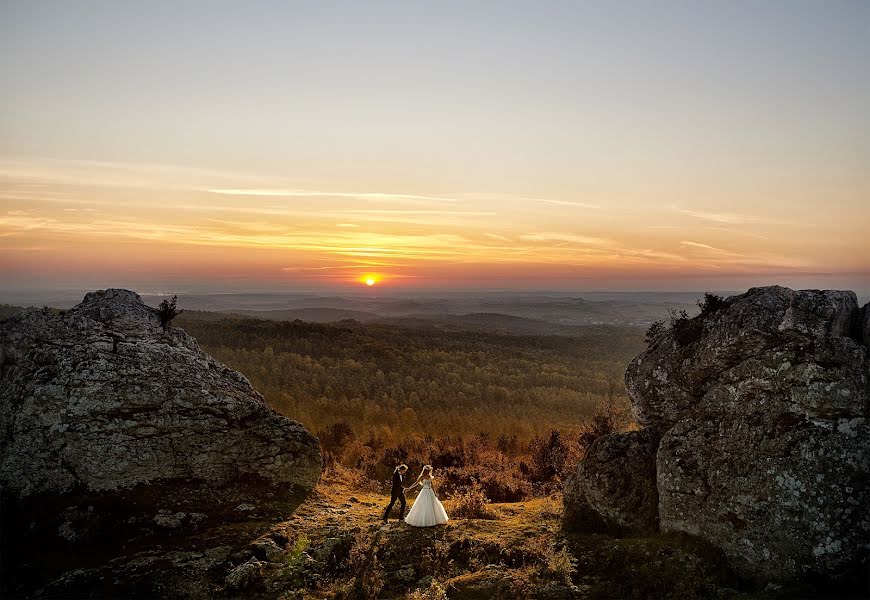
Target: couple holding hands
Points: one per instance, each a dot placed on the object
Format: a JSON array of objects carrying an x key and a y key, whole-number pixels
[{"x": 427, "y": 510}]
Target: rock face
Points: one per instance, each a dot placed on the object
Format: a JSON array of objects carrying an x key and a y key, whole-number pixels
[
  {"x": 614, "y": 488},
  {"x": 111, "y": 427},
  {"x": 762, "y": 407}
]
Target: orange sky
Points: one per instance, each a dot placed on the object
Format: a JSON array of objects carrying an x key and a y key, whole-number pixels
[
  {"x": 92, "y": 222},
  {"x": 456, "y": 145}
]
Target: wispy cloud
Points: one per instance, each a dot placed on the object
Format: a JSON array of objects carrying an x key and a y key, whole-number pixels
[
  {"x": 712, "y": 250},
  {"x": 565, "y": 237},
  {"x": 741, "y": 232},
  {"x": 297, "y": 193},
  {"x": 463, "y": 213},
  {"x": 503, "y": 197},
  {"x": 42, "y": 171},
  {"x": 733, "y": 218},
  {"x": 700, "y": 245},
  {"x": 566, "y": 203}
]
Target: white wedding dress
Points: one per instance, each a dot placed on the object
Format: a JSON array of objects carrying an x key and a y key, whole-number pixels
[{"x": 427, "y": 510}]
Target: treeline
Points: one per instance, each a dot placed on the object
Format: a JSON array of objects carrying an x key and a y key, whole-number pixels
[{"x": 390, "y": 383}]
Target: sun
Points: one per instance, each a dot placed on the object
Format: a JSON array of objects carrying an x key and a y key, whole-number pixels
[{"x": 370, "y": 281}]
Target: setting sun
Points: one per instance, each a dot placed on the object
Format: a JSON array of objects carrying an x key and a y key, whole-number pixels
[{"x": 370, "y": 281}]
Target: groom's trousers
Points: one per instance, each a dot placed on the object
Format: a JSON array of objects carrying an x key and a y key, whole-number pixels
[{"x": 400, "y": 496}]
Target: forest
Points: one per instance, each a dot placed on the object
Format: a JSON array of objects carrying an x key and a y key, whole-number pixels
[{"x": 473, "y": 403}]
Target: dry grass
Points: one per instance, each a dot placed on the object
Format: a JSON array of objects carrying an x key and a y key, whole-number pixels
[{"x": 516, "y": 555}]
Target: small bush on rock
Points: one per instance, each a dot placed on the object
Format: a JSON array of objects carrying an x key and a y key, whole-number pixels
[
  {"x": 656, "y": 329},
  {"x": 711, "y": 303},
  {"x": 685, "y": 330},
  {"x": 167, "y": 311}
]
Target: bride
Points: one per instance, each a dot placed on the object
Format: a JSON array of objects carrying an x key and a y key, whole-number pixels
[{"x": 427, "y": 510}]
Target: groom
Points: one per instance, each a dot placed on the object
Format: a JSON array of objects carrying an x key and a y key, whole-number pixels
[{"x": 397, "y": 492}]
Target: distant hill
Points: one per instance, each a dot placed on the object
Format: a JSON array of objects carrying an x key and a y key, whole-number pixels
[
  {"x": 546, "y": 313},
  {"x": 312, "y": 315},
  {"x": 485, "y": 322}
]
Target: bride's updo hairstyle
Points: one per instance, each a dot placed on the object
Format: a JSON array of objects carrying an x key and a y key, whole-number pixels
[{"x": 426, "y": 469}]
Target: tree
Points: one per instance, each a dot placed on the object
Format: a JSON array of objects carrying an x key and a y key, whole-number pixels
[{"x": 167, "y": 311}]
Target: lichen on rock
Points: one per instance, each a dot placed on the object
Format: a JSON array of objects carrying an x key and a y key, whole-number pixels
[
  {"x": 762, "y": 408},
  {"x": 111, "y": 427},
  {"x": 614, "y": 488}
]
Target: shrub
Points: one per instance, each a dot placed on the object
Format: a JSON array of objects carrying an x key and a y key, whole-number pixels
[
  {"x": 553, "y": 562},
  {"x": 711, "y": 303},
  {"x": 685, "y": 330},
  {"x": 293, "y": 559},
  {"x": 548, "y": 457},
  {"x": 656, "y": 329},
  {"x": 471, "y": 503},
  {"x": 610, "y": 416},
  {"x": 560, "y": 564},
  {"x": 167, "y": 311}
]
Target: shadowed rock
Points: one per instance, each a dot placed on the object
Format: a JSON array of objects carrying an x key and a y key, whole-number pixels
[
  {"x": 614, "y": 488},
  {"x": 762, "y": 405},
  {"x": 113, "y": 431}
]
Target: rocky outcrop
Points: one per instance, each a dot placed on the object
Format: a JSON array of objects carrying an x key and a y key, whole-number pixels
[
  {"x": 762, "y": 402},
  {"x": 113, "y": 429},
  {"x": 614, "y": 488}
]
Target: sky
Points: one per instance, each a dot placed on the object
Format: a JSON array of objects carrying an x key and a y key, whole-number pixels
[{"x": 209, "y": 145}]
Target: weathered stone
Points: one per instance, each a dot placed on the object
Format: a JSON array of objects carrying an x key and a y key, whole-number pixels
[
  {"x": 112, "y": 428},
  {"x": 667, "y": 381},
  {"x": 329, "y": 550},
  {"x": 169, "y": 519},
  {"x": 614, "y": 487},
  {"x": 865, "y": 324},
  {"x": 780, "y": 499},
  {"x": 266, "y": 549},
  {"x": 763, "y": 407},
  {"x": 246, "y": 574}
]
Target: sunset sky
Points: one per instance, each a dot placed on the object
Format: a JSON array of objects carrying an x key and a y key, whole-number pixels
[{"x": 434, "y": 145}]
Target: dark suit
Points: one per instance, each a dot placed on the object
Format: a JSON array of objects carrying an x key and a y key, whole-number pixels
[{"x": 397, "y": 492}]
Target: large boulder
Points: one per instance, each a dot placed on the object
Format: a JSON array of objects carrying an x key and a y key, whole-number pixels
[
  {"x": 762, "y": 403},
  {"x": 112, "y": 430},
  {"x": 670, "y": 379},
  {"x": 762, "y": 407},
  {"x": 614, "y": 489}
]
